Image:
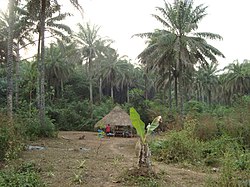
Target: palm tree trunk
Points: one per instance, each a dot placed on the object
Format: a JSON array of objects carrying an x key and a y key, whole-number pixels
[
  {"x": 39, "y": 71},
  {"x": 90, "y": 85},
  {"x": 176, "y": 87},
  {"x": 17, "y": 76},
  {"x": 112, "y": 91},
  {"x": 100, "y": 88},
  {"x": 146, "y": 87},
  {"x": 62, "y": 88},
  {"x": 42, "y": 73},
  {"x": 10, "y": 62},
  {"x": 128, "y": 98},
  {"x": 209, "y": 97},
  {"x": 170, "y": 87},
  {"x": 181, "y": 85}
]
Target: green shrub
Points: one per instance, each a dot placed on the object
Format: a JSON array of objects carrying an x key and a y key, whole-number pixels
[
  {"x": 24, "y": 176},
  {"x": 177, "y": 147},
  {"x": 194, "y": 107},
  {"x": 10, "y": 139}
]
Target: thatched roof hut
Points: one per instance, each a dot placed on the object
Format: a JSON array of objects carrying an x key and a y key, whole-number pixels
[{"x": 117, "y": 117}]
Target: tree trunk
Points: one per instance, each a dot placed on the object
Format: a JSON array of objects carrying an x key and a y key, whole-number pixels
[
  {"x": 181, "y": 85},
  {"x": 10, "y": 62},
  {"x": 17, "y": 76},
  {"x": 170, "y": 87},
  {"x": 91, "y": 98},
  {"x": 112, "y": 91},
  {"x": 209, "y": 97},
  {"x": 42, "y": 73},
  {"x": 39, "y": 71},
  {"x": 100, "y": 88},
  {"x": 90, "y": 85},
  {"x": 176, "y": 89},
  {"x": 146, "y": 86},
  {"x": 128, "y": 98}
]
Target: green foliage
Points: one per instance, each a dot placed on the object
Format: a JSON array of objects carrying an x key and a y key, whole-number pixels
[
  {"x": 23, "y": 176},
  {"x": 75, "y": 115},
  {"x": 13, "y": 136},
  {"x": 134, "y": 179},
  {"x": 138, "y": 124},
  {"x": 184, "y": 147},
  {"x": 194, "y": 107},
  {"x": 69, "y": 116},
  {"x": 177, "y": 147},
  {"x": 10, "y": 139},
  {"x": 151, "y": 127},
  {"x": 30, "y": 128}
]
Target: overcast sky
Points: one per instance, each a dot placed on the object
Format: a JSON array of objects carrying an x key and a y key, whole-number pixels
[{"x": 120, "y": 19}]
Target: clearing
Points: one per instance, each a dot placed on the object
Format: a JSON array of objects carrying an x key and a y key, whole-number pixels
[{"x": 70, "y": 160}]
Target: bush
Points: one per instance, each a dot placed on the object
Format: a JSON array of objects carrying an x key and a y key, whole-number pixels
[
  {"x": 177, "y": 147},
  {"x": 10, "y": 139},
  {"x": 13, "y": 136},
  {"x": 24, "y": 176},
  {"x": 194, "y": 107},
  {"x": 69, "y": 116}
]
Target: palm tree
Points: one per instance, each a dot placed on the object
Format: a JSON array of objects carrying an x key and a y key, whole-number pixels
[
  {"x": 21, "y": 35},
  {"x": 207, "y": 80},
  {"x": 38, "y": 9},
  {"x": 59, "y": 63},
  {"x": 90, "y": 45},
  {"x": 180, "y": 41},
  {"x": 113, "y": 71},
  {"x": 238, "y": 77}
]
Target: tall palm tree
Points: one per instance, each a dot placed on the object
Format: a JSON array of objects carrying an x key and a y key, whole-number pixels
[
  {"x": 38, "y": 9},
  {"x": 59, "y": 63},
  {"x": 90, "y": 45},
  {"x": 113, "y": 71},
  {"x": 207, "y": 80},
  {"x": 21, "y": 35},
  {"x": 188, "y": 47}
]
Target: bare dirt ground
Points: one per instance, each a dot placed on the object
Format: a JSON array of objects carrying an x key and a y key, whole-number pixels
[{"x": 69, "y": 161}]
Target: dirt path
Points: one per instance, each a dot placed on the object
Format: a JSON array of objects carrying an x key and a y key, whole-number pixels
[{"x": 67, "y": 161}]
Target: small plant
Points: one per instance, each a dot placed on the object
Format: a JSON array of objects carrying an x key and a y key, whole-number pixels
[
  {"x": 144, "y": 162},
  {"x": 78, "y": 176}
]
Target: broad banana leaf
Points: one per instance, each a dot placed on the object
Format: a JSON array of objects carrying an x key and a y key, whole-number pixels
[
  {"x": 138, "y": 124},
  {"x": 155, "y": 123}
]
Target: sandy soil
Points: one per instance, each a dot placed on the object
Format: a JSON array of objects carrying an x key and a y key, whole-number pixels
[{"x": 69, "y": 161}]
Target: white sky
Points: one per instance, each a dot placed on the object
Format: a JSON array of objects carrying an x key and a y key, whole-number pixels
[{"x": 120, "y": 19}]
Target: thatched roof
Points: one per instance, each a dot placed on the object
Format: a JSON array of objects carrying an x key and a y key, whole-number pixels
[{"x": 117, "y": 117}]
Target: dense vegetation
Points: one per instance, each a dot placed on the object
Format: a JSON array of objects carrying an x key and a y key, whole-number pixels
[{"x": 78, "y": 78}]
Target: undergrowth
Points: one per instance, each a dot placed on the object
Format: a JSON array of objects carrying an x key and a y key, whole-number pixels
[{"x": 25, "y": 175}]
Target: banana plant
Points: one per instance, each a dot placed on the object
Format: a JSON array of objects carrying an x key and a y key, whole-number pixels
[{"x": 144, "y": 162}]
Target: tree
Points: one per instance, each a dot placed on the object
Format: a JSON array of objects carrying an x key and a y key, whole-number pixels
[
  {"x": 38, "y": 9},
  {"x": 144, "y": 161},
  {"x": 207, "y": 80},
  {"x": 238, "y": 78},
  {"x": 113, "y": 71},
  {"x": 59, "y": 63},
  {"x": 181, "y": 42},
  {"x": 90, "y": 45}
]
